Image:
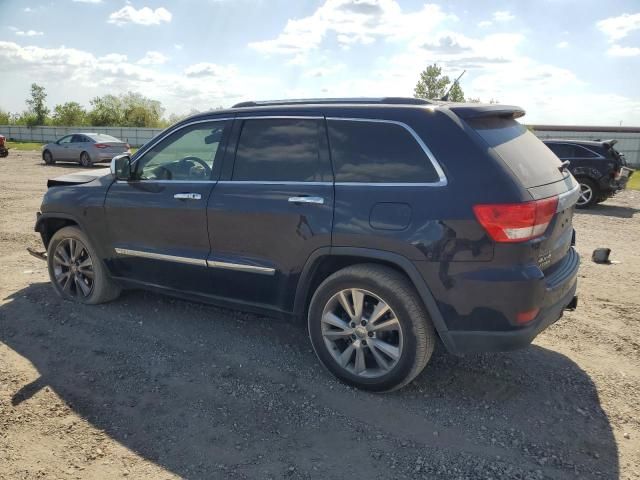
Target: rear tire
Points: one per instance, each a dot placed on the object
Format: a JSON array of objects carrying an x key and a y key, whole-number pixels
[
  {"x": 589, "y": 193},
  {"x": 85, "y": 160},
  {"x": 47, "y": 157},
  {"x": 378, "y": 354},
  {"x": 76, "y": 272}
]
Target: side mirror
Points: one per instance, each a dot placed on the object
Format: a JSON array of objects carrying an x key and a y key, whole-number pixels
[{"x": 121, "y": 167}]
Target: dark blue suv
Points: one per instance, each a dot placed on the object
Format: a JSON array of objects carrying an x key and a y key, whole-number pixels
[{"x": 389, "y": 224}]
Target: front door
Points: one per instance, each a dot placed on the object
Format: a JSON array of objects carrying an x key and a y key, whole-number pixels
[
  {"x": 61, "y": 149},
  {"x": 158, "y": 221},
  {"x": 272, "y": 209}
]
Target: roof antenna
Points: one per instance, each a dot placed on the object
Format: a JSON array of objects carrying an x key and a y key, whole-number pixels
[{"x": 445, "y": 98}]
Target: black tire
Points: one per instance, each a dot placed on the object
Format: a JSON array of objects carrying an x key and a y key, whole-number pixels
[
  {"x": 394, "y": 289},
  {"x": 102, "y": 288},
  {"x": 47, "y": 157},
  {"x": 588, "y": 185},
  {"x": 4, "y": 152},
  {"x": 85, "y": 160}
]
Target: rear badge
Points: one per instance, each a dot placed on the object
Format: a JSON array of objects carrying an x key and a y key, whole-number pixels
[{"x": 544, "y": 260}]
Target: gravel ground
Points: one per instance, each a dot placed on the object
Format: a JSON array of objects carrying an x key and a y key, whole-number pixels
[{"x": 150, "y": 386}]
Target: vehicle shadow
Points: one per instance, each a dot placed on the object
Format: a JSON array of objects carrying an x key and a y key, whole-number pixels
[
  {"x": 205, "y": 392},
  {"x": 603, "y": 209}
]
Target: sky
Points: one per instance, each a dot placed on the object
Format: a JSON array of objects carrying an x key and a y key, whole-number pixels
[{"x": 565, "y": 62}]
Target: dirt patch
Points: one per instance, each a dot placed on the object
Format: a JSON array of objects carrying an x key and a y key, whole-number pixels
[{"x": 150, "y": 386}]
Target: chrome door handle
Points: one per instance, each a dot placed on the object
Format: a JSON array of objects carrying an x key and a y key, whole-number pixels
[
  {"x": 316, "y": 200},
  {"x": 188, "y": 196}
]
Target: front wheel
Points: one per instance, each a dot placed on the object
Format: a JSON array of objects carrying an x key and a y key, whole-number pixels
[
  {"x": 589, "y": 193},
  {"x": 76, "y": 272},
  {"x": 369, "y": 328}
]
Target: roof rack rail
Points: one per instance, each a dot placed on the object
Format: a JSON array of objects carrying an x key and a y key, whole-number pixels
[{"x": 363, "y": 100}]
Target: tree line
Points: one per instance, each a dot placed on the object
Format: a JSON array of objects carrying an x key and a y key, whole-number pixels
[
  {"x": 125, "y": 110},
  {"x": 135, "y": 110}
]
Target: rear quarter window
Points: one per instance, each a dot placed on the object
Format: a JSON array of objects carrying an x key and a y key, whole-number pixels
[
  {"x": 377, "y": 152},
  {"x": 528, "y": 158}
]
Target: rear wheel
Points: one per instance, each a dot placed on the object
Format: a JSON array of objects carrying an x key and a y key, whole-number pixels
[
  {"x": 589, "y": 193},
  {"x": 48, "y": 158},
  {"x": 85, "y": 160},
  {"x": 76, "y": 272},
  {"x": 369, "y": 328}
]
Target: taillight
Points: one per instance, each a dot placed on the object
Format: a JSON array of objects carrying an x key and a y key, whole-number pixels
[
  {"x": 101, "y": 145},
  {"x": 525, "y": 317},
  {"x": 516, "y": 222}
]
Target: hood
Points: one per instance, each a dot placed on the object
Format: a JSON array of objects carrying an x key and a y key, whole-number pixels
[{"x": 78, "y": 178}]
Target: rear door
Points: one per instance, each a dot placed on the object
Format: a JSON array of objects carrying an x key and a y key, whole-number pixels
[
  {"x": 272, "y": 210},
  {"x": 157, "y": 222},
  {"x": 77, "y": 145},
  {"x": 541, "y": 173}
]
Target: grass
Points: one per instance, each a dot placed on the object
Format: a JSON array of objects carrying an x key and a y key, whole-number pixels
[
  {"x": 634, "y": 181},
  {"x": 24, "y": 145}
]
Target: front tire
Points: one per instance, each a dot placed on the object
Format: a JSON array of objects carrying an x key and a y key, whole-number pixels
[
  {"x": 369, "y": 327},
  {"x": 76, "y": 272},
  {"x": 589, "y": 193},
  {"x": 85, "y": 160}
]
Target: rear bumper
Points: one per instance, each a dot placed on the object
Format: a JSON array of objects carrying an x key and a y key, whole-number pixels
[
  {"x": 475, "y": 342},
  {"x": 481, "y": 308}
]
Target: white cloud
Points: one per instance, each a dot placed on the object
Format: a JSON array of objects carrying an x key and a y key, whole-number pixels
[
  {"x": 563, "y": 44},
  {"x": 205, "y": 88},
  {"x": 485, "y": 23},
  {"x": 88, "y": 1},
  {"x": 153, "y": 58},
  {"x": 144, "y": 16},
  {"x": 503, "y": 16},
  {"x": 209, "y": 70},
  {"x": 619, "y": 51},
  {"x": 178, "y": 46},
  {"x": 352, "y": 22},
  {"x": 619, "y": 27},
  {"x": 28, "y": 33},
  {"x": 27, "y": 9}
]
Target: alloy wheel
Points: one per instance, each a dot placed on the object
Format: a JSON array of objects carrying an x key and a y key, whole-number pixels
[
  {"x": 362, "y": 333},
  {"x": 73, "y": 268},
  {"x": 586, "y": 194}
]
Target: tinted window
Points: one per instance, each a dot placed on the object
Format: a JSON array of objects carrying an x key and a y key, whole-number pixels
[
  {"x": 66, "y": 139},
  {"x": 78, "y": 139},
  {"x": 377, "y": 152},
  {"x": 280, "y": 150},
  {"x": 187, "y": 154},
  {"x": 562, "y": 150},
  {"x": 581, "y": 152},
  {"x": 527, "y": 157}
]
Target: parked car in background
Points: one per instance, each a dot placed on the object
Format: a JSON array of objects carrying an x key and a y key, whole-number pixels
[
  {"x": 388, "y": 224},
  {"x": 599, "y": 168},
  {"x": 4, "y": 151},
  {"x": 84, "y": 148}
]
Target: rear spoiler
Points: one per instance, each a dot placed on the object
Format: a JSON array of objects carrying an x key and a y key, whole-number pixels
[
  {"x": 471, "y": 110},
  {"x": 608, "y": 144}
]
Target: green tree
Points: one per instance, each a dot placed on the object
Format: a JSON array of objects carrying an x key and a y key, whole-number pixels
[
  {"x": 106, "y": 111},
  {"x": 69, "y": 114},
  {"x": 5, "y": 117},
  {"x": 432, "y": 84},
  {"x": 37, "y": 107},
  {"x": 456, "y": 94},
  {"x": 140, "y": 111}
]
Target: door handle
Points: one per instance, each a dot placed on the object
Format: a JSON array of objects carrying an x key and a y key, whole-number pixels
[
  {"x": 187, "y": 196},
  {"x": 315, "y": 200}
]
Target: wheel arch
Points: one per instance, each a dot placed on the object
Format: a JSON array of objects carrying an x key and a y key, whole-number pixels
[
  {"x": 48, "y": 224},
  {"x": 325, "y": 261}
]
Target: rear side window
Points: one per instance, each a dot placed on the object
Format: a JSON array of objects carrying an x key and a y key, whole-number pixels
[
  {"x": 581, "y": 152},
  {"x": 528, "y": 158},
  {"x": 562, "y": 150},
  {"x": 280, "y": 150},
  {"x": 377, "y": 152}
]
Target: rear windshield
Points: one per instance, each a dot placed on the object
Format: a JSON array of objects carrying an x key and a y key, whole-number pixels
[
  {"x": 529, "y": 159},
  {"x": 101, "y": 137}
]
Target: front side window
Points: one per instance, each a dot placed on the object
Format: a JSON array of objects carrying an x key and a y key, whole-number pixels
[
  {"x": 280, "y": 149},
  {"x": 65, "y": 140},
  {"x": 377, "y": 152},
  {"x": 187, "y": 154}
]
